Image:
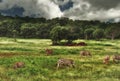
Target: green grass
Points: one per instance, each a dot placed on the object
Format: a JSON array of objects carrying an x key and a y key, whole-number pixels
[{"x": 39, "y": 67}]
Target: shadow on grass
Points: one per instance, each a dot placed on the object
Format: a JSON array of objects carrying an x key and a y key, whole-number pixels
[
  {"x": 99, "y": 44},
  {"x": 15, "y": 49}
]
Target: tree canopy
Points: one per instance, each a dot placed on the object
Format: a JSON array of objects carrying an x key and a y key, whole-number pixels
[{"x": 57, "y": 29}]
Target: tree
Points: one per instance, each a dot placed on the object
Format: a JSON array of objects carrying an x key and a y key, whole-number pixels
[
  {"x": 58, "y": 33},
  {"x": 71, "y": 37},
  {"x": 112, "y": 32},
  {"x": 28, "y": 30},
  {"x": 14, "y": 35},
  {"x": 73, "y": 33},
  {"x": 7, "y": 26},
  {"x": 28, "y": 27},
  {"x": 3, "y": 30},
  {"x": 43, "y": 30},
  {"x": 88, "y": 33},
  {"x": 98, "y": 34}
]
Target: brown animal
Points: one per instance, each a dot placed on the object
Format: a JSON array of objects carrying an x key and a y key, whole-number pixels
[
  {"x": 49, "y": 52},
  {"x": 116, "y": 58},
  {"x": 18, "y": 65},
  {"x": 81, "y": 44},
  {"x": 65, "y": 62},
  {"x": 106, "y": 59},
  {"x": 85, "y": 53}
]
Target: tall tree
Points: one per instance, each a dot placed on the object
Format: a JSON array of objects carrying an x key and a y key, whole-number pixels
[
  {"x": 88, "y": 33},
  {"x": 28, "y": 30},
  {"x": 58, "y": 33},
  {"x": 98, "y": 34},
  {"x": 113, "y": 31}
]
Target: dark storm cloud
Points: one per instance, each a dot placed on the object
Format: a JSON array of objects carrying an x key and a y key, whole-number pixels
[
  {"x": 94, "y": 10},
  {"x": 38, "y": 8},
  {"x": 13, "y": 11},
  {"x": 66, "y": 6},
  {"x": 74, "y": 9},
  {"x": 104, "y": 4}
]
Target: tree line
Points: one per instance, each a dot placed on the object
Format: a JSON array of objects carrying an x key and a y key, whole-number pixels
[{"x": 57, "y": 29}]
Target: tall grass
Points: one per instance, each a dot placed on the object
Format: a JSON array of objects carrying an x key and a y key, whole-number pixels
[{"x": 39, "y": 67}]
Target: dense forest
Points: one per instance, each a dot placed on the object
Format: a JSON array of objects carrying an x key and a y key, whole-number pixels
[{"x": 57, "y": 29}]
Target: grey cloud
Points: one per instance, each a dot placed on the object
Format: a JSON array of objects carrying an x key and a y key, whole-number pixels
[
  {"x": 38, "y": 8},
  {"x": 94, "y": 10},
  {"x": 104, "y": 4},
  {"x": 80, "y": 9}
]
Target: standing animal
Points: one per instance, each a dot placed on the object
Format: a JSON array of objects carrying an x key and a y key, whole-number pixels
[
  {"x": 85, "y": 53},
  {"x": 18, "y": 65},
  {"x": 65, "y": 62},
  {"x": 106, "y": 59},
  {"x": 116, "y": 58}
]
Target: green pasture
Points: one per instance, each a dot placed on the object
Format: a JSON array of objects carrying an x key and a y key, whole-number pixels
[{"x": 39, "y": 67}]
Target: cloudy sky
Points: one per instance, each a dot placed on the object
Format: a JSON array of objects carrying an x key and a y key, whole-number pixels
[{"x": 74, "y": 9}]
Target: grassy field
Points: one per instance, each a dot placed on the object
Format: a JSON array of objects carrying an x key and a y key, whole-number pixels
[{"x": 39, "y": 67}]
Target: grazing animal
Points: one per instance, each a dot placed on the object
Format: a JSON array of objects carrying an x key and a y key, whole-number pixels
[
  {"x": 116, "y": 58},
  {"x": 65, "y": 62},
  {"x": 18, "y": 65},
  {"x": 49, "y": 52},
  {"x": 106, "y": 59},
  {"x": 85, "y": 53}
]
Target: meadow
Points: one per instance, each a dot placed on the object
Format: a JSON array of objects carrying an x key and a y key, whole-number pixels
[{"x": 39, "y": 67}]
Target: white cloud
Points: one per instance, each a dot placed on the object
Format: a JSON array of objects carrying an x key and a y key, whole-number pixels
[
  {"x": 78, "y": 11},
  {"x": 49, "y": 8},
  {"x": 82, "y": 9},
  {"x": 38, "y": 8},
  {"x": 60, "y": 2}
]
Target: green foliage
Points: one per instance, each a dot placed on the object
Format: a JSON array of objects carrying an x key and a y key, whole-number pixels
[
  {"x": 112, "y": 31},
  {"x": 14, "y": 35},
  {"x": 98, "y": 34},
  {"x": 58, "y": 33},
  {"x": 28, "y": 30},
  {"x": 63, "y": 33},
  {"x": 8, "y": 25},
  {"x": 41, "y": 28},
  {"x": 88, "y": 33},
  {"x": 43, "y": 31}
]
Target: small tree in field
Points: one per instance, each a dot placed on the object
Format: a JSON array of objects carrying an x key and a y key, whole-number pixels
[
  {"x": 98, "y": 34},
  {"x": 14, "y": 35},
  {"x": 71, "y": 37},
  {"x": 57, "y": 34},
  {"x": 73, "y": 34}
]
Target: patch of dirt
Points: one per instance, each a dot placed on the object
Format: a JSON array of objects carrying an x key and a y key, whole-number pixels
[
  {"x": 7, "y": 54},
  {"x": 11, "y": 54}
]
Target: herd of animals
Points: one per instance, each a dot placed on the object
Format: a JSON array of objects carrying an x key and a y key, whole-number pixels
[{"x": 63, "y": 62}]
